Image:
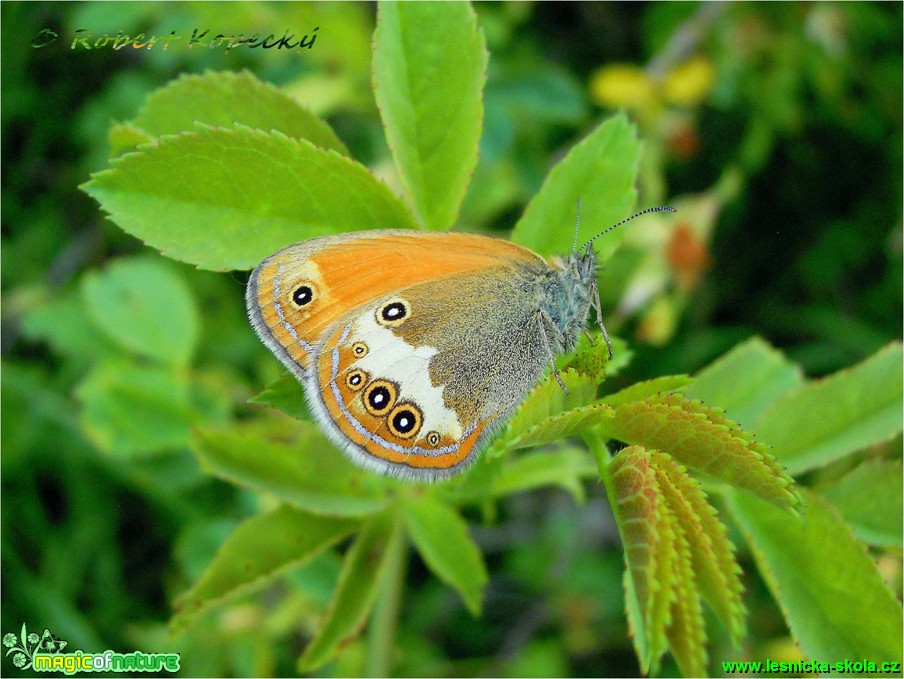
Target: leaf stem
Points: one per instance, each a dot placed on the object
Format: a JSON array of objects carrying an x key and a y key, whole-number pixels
[
  {"x": 383, "y": 622},
  {"x": 600, "y": 451}
]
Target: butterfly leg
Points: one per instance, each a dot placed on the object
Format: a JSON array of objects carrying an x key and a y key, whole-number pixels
[
  {"x": 545, "y": 320},
  {"x": 598, "y": 308}
]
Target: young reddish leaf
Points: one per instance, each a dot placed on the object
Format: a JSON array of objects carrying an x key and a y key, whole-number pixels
[
  {"x": 686, "y": 633},
  {"x": 638, "y": 506},
  {"x": 659, "y": 618},
  {"x": 713, "y": 562},
  {"x": 701, "y": 438}
]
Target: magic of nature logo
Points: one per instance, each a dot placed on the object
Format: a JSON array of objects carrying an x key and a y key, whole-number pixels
[{"x": 44, "y": 653}]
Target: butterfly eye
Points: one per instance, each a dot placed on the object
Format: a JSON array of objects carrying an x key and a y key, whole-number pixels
[
  {"x": 303, "y": 295},
  {"x": 359, "y": 349},
  {"x": 393, "y": 313},
  {"x": 433, "y": 438},
  {"x": 404, "y": 421},
  {"x": 379, "y": 397},
  {"x": 356, "y": 379}
]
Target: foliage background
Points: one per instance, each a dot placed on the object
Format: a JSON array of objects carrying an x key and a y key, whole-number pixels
[{"x": 782, "y": 140}]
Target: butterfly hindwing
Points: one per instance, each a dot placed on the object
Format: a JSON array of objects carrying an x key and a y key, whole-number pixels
[{"x": 412, "y": 382}]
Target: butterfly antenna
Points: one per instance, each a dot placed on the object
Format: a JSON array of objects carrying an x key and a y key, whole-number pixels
[
  {"x": 577, "y": 226},
  {"x": 663, "y": 208}
]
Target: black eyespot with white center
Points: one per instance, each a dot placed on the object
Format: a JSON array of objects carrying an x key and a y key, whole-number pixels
[
  {"x": 393, "y": 313},
  {"x": 302, "y": 295},
  {"x": 404, "y": 421},
  {"x": 356, "y": 379},
  {"x": 433, "y": 439},
  {"x": 379, "y": 397},
  {"x": 359, "y": 349}
]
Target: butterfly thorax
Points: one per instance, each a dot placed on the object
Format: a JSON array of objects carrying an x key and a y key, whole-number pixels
[{"x": 570, "y": 290}]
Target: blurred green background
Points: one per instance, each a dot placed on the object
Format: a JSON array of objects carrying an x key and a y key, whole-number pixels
[{"x": 774, "y": 128}]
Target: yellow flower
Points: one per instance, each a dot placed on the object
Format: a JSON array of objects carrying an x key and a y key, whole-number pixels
[
  {"x": 621, "y": 85},
  {"x": 689, "y": 83}
]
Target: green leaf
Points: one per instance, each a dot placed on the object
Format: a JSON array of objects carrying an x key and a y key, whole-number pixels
[
  {"x": 700, "y": 438},
  {"x": 600, "y": 171},
  {"x": 259, "y": 550},
  {"x": 746, "y": 380},
  {"x": 442, "y": 539},
  {"x": 362, "y": 571},
  {"x": 228, "y": 198},
  {"x": 546, "y": 401},
  {"x": 668, "y": 384},
  {"x": 827, "y": 419},
  {"x": 125, "y": 137},
  {"x": 828, "y": 586},
  {"x": 285, "y": 393},
  {"x": 591, "y": 357},
  {"x": 146, "y": 307},
  {"x": 129, "y": 409},
  {"x": 429, "y": 67},
  {"x": 64, "y": 324},
  {"x": 224, "y": 98},
  {"x": 567, "y": 468},
  {"x": 560, "y": 426},
  {"x": 622, "y": 356},
  {"x": 294, "y": 462},
  {"x": 869, "y": 498}
]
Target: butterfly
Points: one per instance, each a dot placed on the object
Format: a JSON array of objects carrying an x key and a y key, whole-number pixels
[{"x": 414, "y": 347}]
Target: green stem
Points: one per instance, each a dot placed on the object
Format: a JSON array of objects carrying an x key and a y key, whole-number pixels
[
  {"x": 598, "y": 449},
  {"x": 383, "y": 622}
]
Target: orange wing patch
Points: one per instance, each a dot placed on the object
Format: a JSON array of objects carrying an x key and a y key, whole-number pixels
[{"x": 300, "y": 292}]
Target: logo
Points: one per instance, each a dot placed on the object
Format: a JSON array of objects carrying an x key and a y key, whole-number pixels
[{"x": 44, "y": 653}]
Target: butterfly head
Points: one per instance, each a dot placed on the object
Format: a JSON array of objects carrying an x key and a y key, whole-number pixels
[{"x": 572, "y": 288}]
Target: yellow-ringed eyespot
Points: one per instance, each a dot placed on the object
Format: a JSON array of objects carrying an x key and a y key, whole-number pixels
[
  {"x": 404, "y": 420},
  {"x": 380, "y": 396},
  {"x": 432, "y": 438},
  {"x": 356, "y": 379},
  {"x": 393, "y": 313},
  {"x": 359, "y": 349},
  {"x": 303, "y": 294}
]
